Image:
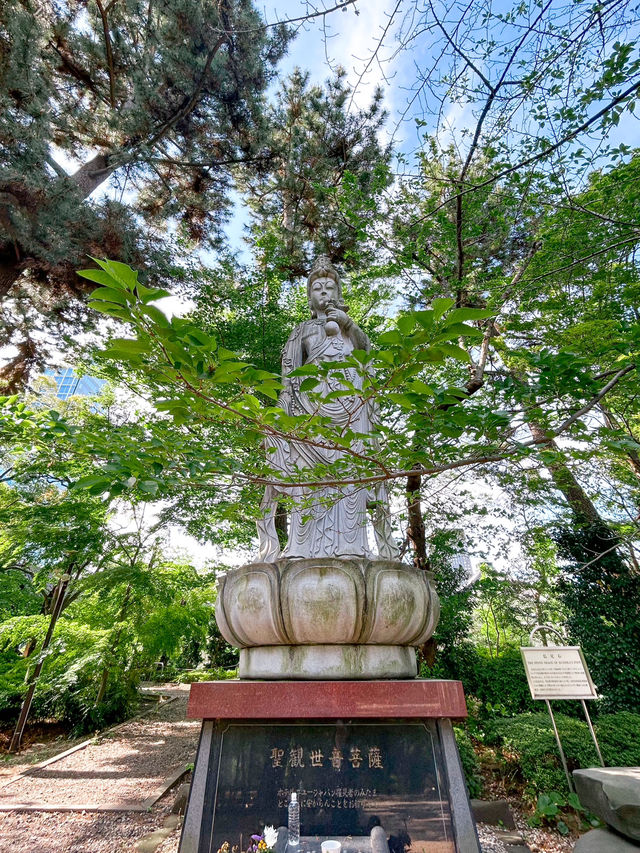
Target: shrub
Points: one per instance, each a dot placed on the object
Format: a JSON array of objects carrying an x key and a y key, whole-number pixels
[
  {"x": 619, "y": 739},
  {"x": 216, "y": 674},
  {"x": 219, "y": 652},
  {"x": 499, "y": 682},
  {"x": 602, "y": 597},
  {"x": 529, "y": 748},
  {"x": 469, "y": 762},
  {"x": 68, "y": 685}
]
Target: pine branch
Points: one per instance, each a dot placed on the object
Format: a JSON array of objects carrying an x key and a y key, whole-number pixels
[{"x": 109, "y": 53}]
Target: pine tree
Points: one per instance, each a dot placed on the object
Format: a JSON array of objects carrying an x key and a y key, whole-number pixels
[
  {"x": 163, "y": 99},
  {"x": 320, "y": 140}
]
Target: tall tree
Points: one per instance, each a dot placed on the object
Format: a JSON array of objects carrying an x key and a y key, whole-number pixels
[
  {"x": 319, "y": 140},
  {"x": 163, "y": 99}
]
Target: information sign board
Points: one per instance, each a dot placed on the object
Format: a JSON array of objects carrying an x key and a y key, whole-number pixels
[{"x": 557, "y": 672}]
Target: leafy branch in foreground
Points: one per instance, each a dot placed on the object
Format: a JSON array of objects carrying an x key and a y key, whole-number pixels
[{"x": 208, "y": 410}]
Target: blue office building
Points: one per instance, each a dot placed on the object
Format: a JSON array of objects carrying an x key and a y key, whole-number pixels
[{"x": 70, "y": 384}]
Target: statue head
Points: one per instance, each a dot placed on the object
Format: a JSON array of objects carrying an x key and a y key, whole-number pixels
[{"x": 324, "y": 273}]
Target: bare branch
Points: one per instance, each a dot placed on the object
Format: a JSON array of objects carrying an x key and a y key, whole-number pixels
[{"x": 542, "y": 155}]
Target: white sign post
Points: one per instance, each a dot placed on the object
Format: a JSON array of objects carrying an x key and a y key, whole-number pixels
[{"x": 559, "y": 672}]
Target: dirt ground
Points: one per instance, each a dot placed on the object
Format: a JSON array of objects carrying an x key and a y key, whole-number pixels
[
  {"x": 126, "y": 764},
  {"x": 83, "y": 832},
  {"x": 129, "y": 764}
]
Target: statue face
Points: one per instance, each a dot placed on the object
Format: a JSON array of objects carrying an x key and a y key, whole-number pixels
[{"x": 323, "y": 291}]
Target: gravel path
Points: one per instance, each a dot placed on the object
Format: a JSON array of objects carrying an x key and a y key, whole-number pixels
[
  {"x": 81, "y": 832},
  {"x": 123, "y": 767},
  {"x": 489, "y": 841}
]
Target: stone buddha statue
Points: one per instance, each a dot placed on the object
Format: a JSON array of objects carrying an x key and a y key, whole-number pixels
[
  {"x": 325, "y": 606},
  {"x": 329, "y": 521}
]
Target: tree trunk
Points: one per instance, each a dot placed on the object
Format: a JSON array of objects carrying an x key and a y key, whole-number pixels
[
  {"x": 33, "y": 681},
  {"x": 281, "y": 523},
  {"x": 416, "y": 529},
  {"x": 102, "y": 689},
  {"x": 10, "y": 270},
  {"x": 565, "y": 482},
  {"x": 93, "y": 173},
  {"x": 12, "y": 261},
  {"x": 104, "y": 677}
]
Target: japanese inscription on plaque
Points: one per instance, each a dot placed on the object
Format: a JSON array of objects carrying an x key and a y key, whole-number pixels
[
  {"x": 349, "y": 778},
  {"x": 317, "y": 758},
  {"x": 557, "y": 672}
]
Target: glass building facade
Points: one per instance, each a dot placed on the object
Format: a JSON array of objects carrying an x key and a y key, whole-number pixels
[{"x": 69, "y": 384}]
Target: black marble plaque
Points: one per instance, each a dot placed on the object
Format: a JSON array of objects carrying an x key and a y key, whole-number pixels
[{"x": 348, "y": 778}]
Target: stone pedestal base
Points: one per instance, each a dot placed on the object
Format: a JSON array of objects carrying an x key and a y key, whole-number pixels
[
  {"x": 327, "y": 662},
  {"x": 371, "y": 762}
]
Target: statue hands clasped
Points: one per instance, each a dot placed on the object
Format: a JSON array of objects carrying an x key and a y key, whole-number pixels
[{"x": 337, "y": 318}]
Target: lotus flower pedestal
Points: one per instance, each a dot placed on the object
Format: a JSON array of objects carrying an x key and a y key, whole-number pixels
[{"x": 327, "y": 618}]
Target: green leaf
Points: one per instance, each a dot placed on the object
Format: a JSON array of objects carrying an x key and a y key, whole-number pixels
[
  {"x": 305, "y": 370},
  {"x": 574, "y": 802},
  {"x": 431, "y": 355},
  {"x": 199, "y": 338},
  {"x": 228, "y": 371},
  {"x": 384, "y": 356},
  {"x": 459, "y": 315},
  {"x": 108, "y": 294},
  {"x": 156, "y": 315},
  {"x": 425, "y": 318},
  {"x": 225, "y": 354},
  {"x": 419, "y": 387},
  {"x": 150, "y": 294},
  {"x": 123, "y": 273},
  {"x": 270, "y": 390},
  {"x": 392, "y": 337},
  {"x": 406, "y": 323},
  {"x": 127, "y": 346},
  {"x": 91, "y": 480},
  {"x": 362, "y": 356},
  {"x": 441, "y": 304},
  {"x": 100, "y": 277},
  {"x": 453, "y": 351},
  {"x": 110, "y": 309},
  {"x": 150, "y": 487},
  {"x": 309, "y": 384},
  {"x": 458, "y": 330}
]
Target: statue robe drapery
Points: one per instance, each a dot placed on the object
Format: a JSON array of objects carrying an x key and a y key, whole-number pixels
[{"x": 329, "y": 521}]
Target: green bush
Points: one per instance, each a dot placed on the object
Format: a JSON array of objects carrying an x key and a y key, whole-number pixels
[
  {"x": 499, "y": 682},
  {"x": 69, "y": 682},
  {"x": 469, "y": 762},
  {"x": 215, "y": 674},
  {"x": 619, "y": 739},
  {"x": 529, "y": 749}
]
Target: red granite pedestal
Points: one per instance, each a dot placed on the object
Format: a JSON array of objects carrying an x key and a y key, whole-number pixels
[{"x": 237, "y": 715}]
